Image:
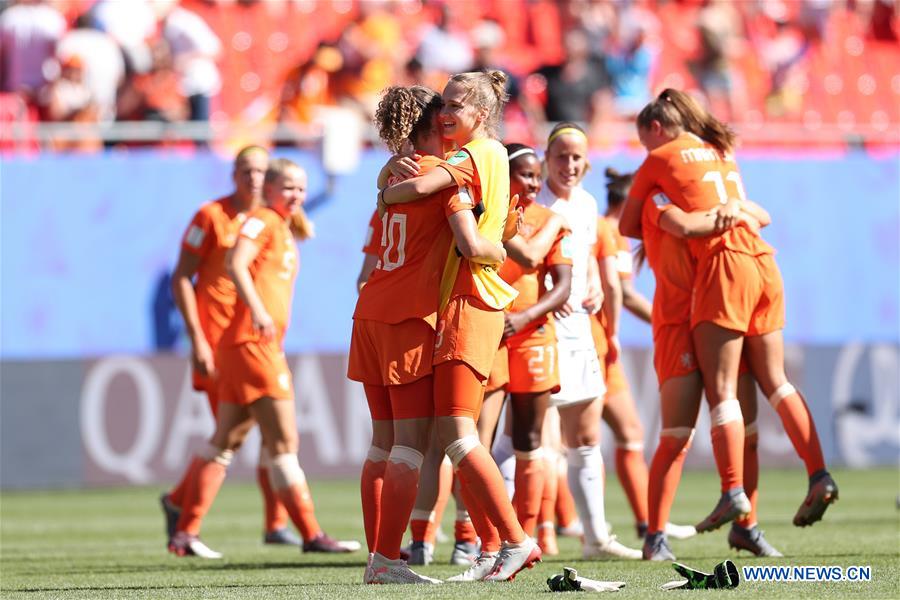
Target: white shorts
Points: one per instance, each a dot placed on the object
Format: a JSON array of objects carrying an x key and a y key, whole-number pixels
[{"x": 580, "y": 377}]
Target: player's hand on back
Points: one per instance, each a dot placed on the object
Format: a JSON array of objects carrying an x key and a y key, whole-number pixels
[{"x": 264, "y": 325}]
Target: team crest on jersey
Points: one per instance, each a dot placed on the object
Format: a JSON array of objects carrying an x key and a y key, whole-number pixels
[
  {"x": 457, "y": 158},
  {"x": 661, "y": 200},
  {"x": 194, "y": 236},
  {"x": 687, "y": 360},
  {"x": 252, "y": 228}
]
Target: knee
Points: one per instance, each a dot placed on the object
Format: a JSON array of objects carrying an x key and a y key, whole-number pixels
[{"x": 527, "y": 439}]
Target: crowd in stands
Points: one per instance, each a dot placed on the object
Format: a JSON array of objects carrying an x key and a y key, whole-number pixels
[{"x": 753, "y": 62}]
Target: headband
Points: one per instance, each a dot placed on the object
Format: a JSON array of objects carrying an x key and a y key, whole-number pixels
[
  {"x": 564, "y": 131},
  {"x": 521, "y": 152}
]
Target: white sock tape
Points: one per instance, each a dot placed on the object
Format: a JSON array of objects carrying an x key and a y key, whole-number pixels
[
  {"x": 751, "y": 429},
  {"x": 677, "y": 432},
  {"x": 377, "y": 454},
  {"x": 285, "y": 471},
  {"x": 726, "y": 412},
  {"x": 419, "y": 514},
  {"x": 536, "y": 454},
  {"x": 783, "y": 391},
  {"x": 216, "y": 455},
  {"x": 463, "y": 516},
  {"x": 458, "y": 449},
  {"x": 631, "y": 446},
  {"x": 406, "y": 455}
]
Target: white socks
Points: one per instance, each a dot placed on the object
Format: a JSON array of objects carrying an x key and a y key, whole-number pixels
[{"x": 585, "y": 476}]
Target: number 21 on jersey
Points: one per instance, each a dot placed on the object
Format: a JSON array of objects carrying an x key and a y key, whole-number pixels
[{"x": 393, "y": 241}]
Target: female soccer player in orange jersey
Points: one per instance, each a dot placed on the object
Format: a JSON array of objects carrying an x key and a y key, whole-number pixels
[
  {"x": 471, "y": 323},
  {"x": 207, "y": 308},
  {"x": 393, "y": 333},
  {"x": 619, "y": 410},
  {"x": 529, "y": 336},
  {"x": 254, "y": 382},
  {"x": 738, "y": 297}
]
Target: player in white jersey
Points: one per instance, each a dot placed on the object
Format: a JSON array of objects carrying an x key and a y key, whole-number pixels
[{"x": 580, "y": 399}]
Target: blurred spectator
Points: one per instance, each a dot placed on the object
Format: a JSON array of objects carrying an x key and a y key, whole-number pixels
[
  {"x": 814, "y": 18},
  {"x": 309, "y": 86},
  {"x": 195, "y": 48},
  {"x": 441, "y": 47},
  {"x": 155, "y": 95},
  {"x": 628, "y": 63},
  {"x": 104, "y": 66},
  {"x": 575, "y": 90},
  {"x": 68, "y": 98},
  {"x": 598, "y": 19},
  {"x": 374, "y": 54},
  {"x": 131, "y": 24},
  {"x": 29, "y": 32},
  {"x": 718, "y": 24},
  {"x": 781, "y": 56},
  {"x": 520, "y": 118}
]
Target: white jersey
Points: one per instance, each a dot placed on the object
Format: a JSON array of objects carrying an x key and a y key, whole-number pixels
[{"x": 580, "y": 210}]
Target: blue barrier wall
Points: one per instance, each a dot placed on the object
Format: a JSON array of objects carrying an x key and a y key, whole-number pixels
[{"x": 87, "y": 243}]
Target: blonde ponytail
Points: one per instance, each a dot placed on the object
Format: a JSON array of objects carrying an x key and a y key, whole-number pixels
[{"x": 486, "y": 89}]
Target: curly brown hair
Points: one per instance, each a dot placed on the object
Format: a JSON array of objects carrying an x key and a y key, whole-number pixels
[{"x": 404, "y": 112}]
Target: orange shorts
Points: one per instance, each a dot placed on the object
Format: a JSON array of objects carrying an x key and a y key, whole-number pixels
[
  {"x": 499, "y": 377},
  {"x": 533, "y": 368},
  {"x": 409, "y": 401},
  {"x": 208, "y": 386},
  {"x": 385, "y": 354},
  {"x": 253, "y": 370},
  {"x": 470, "y": 332},
  {"x": 458, "y": 390},
  {"x": 739, "y": 292},
  {"x": 673, "y": 352},
  {"x": 615, "y": 379}
]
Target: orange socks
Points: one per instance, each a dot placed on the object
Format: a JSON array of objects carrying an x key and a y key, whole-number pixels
[
  {"x": 482, "y": 526},
  {"x": 275, "y": 514},
  {"x": 728, "y": 443},
  {"x": 401, "y": 482},
  {"x": 478, "y": 470},
  {"x": 529, "y": 488},
  {"x": 207, "y": 476},
  {"x": 566, "y": 513},
  {"x": 799, "y": 426},
  {"x": 176, "y": 496},
  {"x": 370, "y": 487},
  {"x": 289, "y": 483},
  {"x": 631, "y": 469},
  {"x": 751, "y": 473},
  {"x": 665, "y": 474},
  {"x": 445, "y": 488}
]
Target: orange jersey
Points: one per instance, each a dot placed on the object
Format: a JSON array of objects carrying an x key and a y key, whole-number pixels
[
  {"x": 273, "y": 271},
  {"x": 211, "y": 233},
  {"x": 695, "y": 176},
  {"x": 415, "y": 240},
  {"x": 530, "y": 283},
  {"x": 372, "y": 244},
  {"x": 673, "y": 266},
  {"x": 604, "y": 248},
  {"x": 624, "y": 262}
]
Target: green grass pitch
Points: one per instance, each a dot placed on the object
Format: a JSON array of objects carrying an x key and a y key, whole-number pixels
[{"x": 109, "y": 543}]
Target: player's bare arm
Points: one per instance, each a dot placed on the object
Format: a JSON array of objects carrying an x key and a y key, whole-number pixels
[
  {"x": 471, "y": 244},
  {"x": 202, "y": 356},
  {"x": 237, "y": 263},
  {"x": 546, "y": 304}
]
